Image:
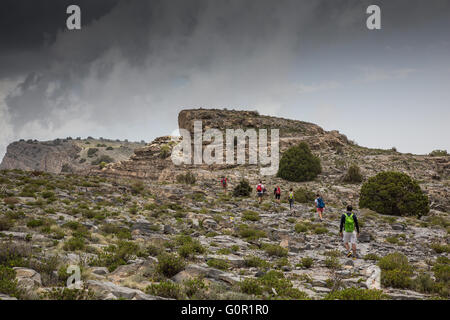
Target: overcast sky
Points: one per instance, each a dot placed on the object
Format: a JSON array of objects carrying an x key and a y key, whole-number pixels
[{"x": 135, "y": 64}]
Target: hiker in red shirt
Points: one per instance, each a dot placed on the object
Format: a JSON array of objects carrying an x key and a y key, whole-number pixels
[{"x": 260, "y": 189}]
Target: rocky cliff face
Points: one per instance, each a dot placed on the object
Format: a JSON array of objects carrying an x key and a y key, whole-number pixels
[
  {"x": 37, "y": 156},
  {"x": 64, "y": 155}
]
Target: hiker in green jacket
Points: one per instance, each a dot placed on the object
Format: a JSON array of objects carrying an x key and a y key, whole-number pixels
[
  {"x": 349, "y": 222},
  {"x": 291, "y": 199}
]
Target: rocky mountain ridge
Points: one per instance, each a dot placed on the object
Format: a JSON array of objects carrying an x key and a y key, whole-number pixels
[{"x": 65, "y": 155}]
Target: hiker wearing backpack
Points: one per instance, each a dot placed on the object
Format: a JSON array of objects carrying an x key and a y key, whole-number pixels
[
  {"x": 349, "y": 223},
  {"x": 291, "y": 199},
  {"x": 260, "y": 191},
  {"x": 224, "y": 183},
  {"x": 277, "y": 193},
  {"x": 320, "y": 205}
]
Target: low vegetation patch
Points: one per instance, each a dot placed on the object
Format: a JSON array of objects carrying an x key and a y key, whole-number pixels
[{"x": 356, "y": 294}]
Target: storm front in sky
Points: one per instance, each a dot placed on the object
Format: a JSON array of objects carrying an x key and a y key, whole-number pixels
[{"x": 135, "y": 64}]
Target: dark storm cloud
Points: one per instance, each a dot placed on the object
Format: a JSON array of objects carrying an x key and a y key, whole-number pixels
[{"x": 135, "y": 63}]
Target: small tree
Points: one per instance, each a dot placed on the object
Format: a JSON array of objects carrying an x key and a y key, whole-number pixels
[
  {"x": 353, "y": 174},
  {"x": 243, "y": 189},
  {"x": 438, "y": 153},
  {"x": 394, "y": 193},
  {"x": 299, "y": 164}
]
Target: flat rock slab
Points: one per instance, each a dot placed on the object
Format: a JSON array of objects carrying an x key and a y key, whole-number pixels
[{"x": 107, "y": 288}]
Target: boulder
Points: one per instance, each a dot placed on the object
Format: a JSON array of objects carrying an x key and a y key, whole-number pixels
[
  {"x": 100, "y": 271},
  {"x": 28, "y": 278},
  {"x": 398, "y": 226}
]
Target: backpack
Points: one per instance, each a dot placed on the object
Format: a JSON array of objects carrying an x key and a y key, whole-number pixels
[
  {"x": 291, "y": 195},
  {"x": 259, "y": 188},
  {"x": 277, "y": 190},
  {"x": 320, "y": 203},
  {"x": 349, "y": 225},
  {"x": 224, "y": 182}
]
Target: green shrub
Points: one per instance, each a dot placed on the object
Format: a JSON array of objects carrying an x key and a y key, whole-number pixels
[
  {"x": 8, "y": 282},
  {"x": 250, "y": 233},
  {"x": 275, "y": 250},
  {"x": 114, "y": 256},
  {"x": 48, "y": 195},
  {"x": 274, "y": 280},
  {"x": 356, "y": 294},
  {"x": 167, "y": 289},
  {"x": 14, "y": 254},
  {"x": 165, "y": 151},
  {"x": 195, "y": 288},
  {"x": 249, "y": 215},
  {"x": 169, "y": 264},
  {"x": 302, "y": 227},
  {"x": 306, "y": 262},
  {"x": 440, "y": 248},
  {"x": 299, "y": 164},
  {"x": 396, "y": 271},
  {"x": 251, "y": 286},
  {"x": 120, "y": 232},
  {"x": 371, "y": 256},
  {"x": 191, "y": 249},
  {"x": 218, "y": 264},
  {"x": 137, "y": 188},
  {"x": 441, "y": 269},
  {"x": 69, "y": 294},
  {"x": 396, "y": 278},
  {"x": 105, "y": 159},
  {"x": 320, "y": 230},
  {"x": 353, "y": 174},
  {"x": 332, "y": 262},
  {"x": 187, "y": 178},
  {"x": 74, "y": 243},
  {"x": 394, "y": 193},
  {"x": 394, "y": 261},
  {"x": 91, "y": 152},
  {"x": 423, "y": 283},
  {"x": 256, "y": 262},
  {"x": 243, "y": 189},
  {"x": 303, "y": 195},
  {"x": 35, "y": 223}
]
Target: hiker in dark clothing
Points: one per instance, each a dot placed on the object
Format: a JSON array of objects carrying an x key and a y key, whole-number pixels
[
  {"x": 224, "y": 183},
  {"x": 349, "y": 222},
  {"x": 277, "y": 193}
]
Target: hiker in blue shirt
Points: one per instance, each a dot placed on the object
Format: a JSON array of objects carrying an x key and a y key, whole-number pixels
[{"x": 320, "y": 205}]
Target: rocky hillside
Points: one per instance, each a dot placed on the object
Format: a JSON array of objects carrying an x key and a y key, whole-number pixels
[
  {"x": 65, "y": 155},
  {"x": 139, "y": 229},
  {"x": 151, "y": 240},
  {"x": 335, "y": 150}
]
